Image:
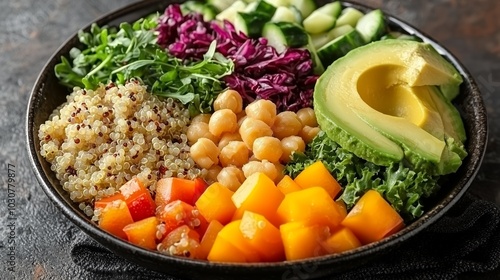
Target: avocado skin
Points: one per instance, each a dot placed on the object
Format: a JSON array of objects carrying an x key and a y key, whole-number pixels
[{"x": 355, "y": 140}]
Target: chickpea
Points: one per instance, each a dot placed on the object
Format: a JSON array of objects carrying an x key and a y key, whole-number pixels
[
  {"x": 263, "y": 110},
  {"x": 231, "y": 177},
  {"x": 286, "y": 124},
  {"x": 228, "y": 137},
  {"x": 268, "y": 148},
  {"x": 205, "y": 153},
  {"x": 307, "y": 117},
  {"x": 201, "y": 118},
  {"x": 264, "y": 166},
  {"x": 308, "y": 133},
  {"x": 222, "y": 121},
  {"x": 199, "y": 130},
  {"x": 234, "y": 153},
  {"x": 291, "y": 144},
  {"x": 252, "y": 129},
  {"x": 229, "y": 99},
  {"x": 212, "y": 173}
]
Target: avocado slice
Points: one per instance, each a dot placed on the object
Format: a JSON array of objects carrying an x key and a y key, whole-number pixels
[{"x": 381, "y": 101}]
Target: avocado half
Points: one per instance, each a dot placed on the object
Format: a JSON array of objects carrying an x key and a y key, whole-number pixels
[{"x": 384, "y": 102}]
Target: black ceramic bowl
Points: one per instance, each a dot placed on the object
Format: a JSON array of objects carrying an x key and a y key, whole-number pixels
[{"x": 47, "y": 94}]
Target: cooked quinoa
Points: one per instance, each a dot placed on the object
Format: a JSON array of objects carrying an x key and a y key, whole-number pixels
[{"x": 99, "y": 139}]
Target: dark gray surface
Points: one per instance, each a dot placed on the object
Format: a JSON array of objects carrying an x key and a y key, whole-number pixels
[{"x": 30, "y": 31}]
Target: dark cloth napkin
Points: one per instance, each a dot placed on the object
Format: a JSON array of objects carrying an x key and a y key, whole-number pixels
[{"x": 466, "y": 239}]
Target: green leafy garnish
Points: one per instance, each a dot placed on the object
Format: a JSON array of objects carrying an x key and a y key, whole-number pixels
[
  {"x": 130, "y": 52},
  {"x": 402, "y": 187}
]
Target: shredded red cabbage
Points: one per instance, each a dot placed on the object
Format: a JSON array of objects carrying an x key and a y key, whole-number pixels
[{"x": 285, "y": 78}]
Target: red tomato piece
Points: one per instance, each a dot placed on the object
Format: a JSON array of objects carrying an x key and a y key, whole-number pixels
[
  {"x": 101, "y": 203},
  {"x": 171, "y": 189},
  {"x": 200, "y": 186},
  {"x": 138, "y": 199},
  {"x": 178, "y": 213},
  {"x": 182, "y": 241}
]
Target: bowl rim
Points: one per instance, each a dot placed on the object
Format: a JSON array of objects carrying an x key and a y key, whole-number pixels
[{"x": 116, "y": 244}]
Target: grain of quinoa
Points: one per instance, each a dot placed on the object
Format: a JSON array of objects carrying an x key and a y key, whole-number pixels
[{"x": 99, "y": 139}]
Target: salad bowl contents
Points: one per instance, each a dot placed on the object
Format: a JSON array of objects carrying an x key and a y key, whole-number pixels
[{"x": 276, "y": 133}]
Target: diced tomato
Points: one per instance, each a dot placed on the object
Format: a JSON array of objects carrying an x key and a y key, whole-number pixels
[
  {"x": 182, "y": 241},
  {"x": 138, "y": 199},
  {"x": 200, "y": 186},
  {"x": 101, "y": 203},
  {"x": 171, "y": 189},
  {"x": 178, "y": 213}
]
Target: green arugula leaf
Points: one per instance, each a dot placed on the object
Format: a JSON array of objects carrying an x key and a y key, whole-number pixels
[{"x": 130, "y": 52}]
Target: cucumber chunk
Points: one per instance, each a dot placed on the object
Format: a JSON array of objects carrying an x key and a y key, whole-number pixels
[
  {"x": 322, "y": 39},
  {"x": 306, "y": 7},
  {"x": 340, "y": 46},
  {"x": 279, "y": 3},
  {"x": 297, "y": 13},
  {"x": 220, "y": 5},
  {"x": 262, "y": 7},
  {"x": 207, "y": 10},
  {"x": 250, "y": 23},
  {"x": 285, "y": 14},
  {"x": 318, "y": 22},
  {"x": 334, "y": 9},
  {"x": 281, "y": 35},
  {"x": 229, "y": 13},
  {"x": 372, "y": 26},
  {"x": 349, "y": 16}
]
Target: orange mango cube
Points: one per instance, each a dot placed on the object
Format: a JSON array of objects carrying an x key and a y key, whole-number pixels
[{"x": 315, "y": 175}]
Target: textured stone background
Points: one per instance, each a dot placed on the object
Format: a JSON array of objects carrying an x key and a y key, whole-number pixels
[{"x": 30, "y": 31}]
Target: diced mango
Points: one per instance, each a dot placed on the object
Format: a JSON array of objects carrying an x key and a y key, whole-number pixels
[
  {"x": 208, "y": 238},
  {"x": 303, "y": 241},
  {"x": 262, "y": 236},
  {"x": 225, "y": 251},
  {"x": 232, "y": 234},
  {"x": 313, "y": 206},
  {"x": 259, "y": 194},
  {"x": 114, "y": 217},
  {"x": 142, "y": 233},
  {"x": 216, "y": 204},
  {"x": 315, "y": 175},
  {"x": 340, "y": 241},
  {"x": 372, "y": 218},
  {"x": 288, "y": 185}
]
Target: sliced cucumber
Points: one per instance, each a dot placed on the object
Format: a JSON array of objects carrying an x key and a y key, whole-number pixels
[
  {"x": 221, "y": 5},
  {"x": 285, "y": 14},
  {"x": 339, "y": 31},
  {"x": 306, "y": 7},
  {"x": 322, "y": 39},
  {"x": 340, "y": 46},
  {"x": 349, "y": 16},
  {"x": 229, "y": 13},
  {"x": 250, "y": 23},
  {"x": 372, "y": 26},
  {"x": 279, "y": 3},
  {"x": 191, "y": 6},
  {"x": 334, "y": 9},
  {"x": 297, "y": 13},
  {"x": 318, "y": 67},
  {"x": 262, "y": 7},
  {"x": 318, "y": 22},
  {"x": 207, "y": 10},
  {"x": 281, "y": 35}
]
